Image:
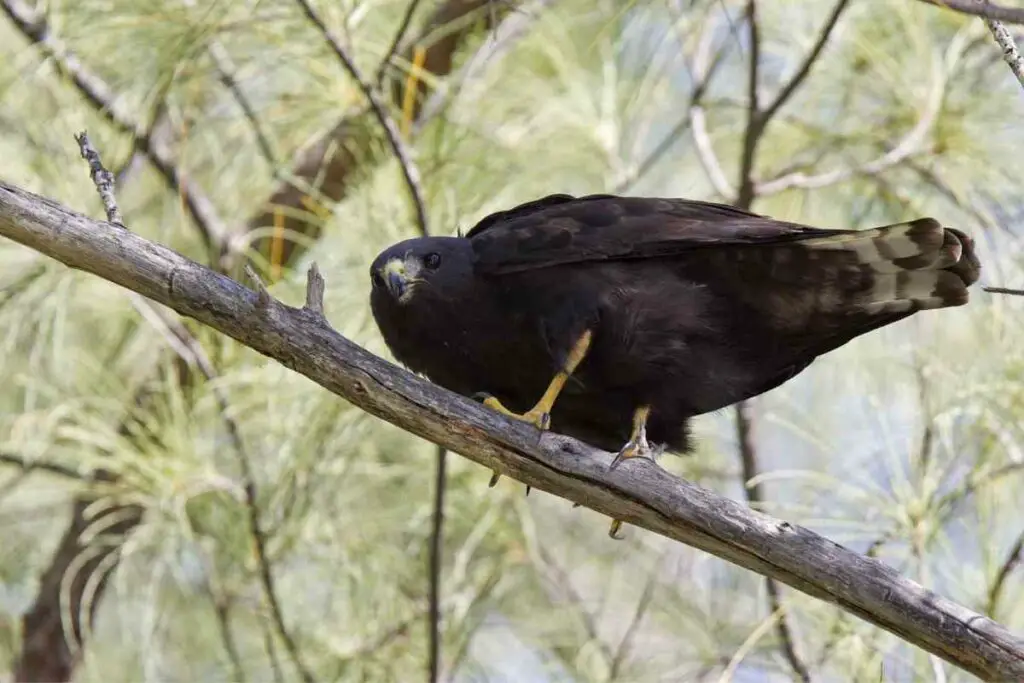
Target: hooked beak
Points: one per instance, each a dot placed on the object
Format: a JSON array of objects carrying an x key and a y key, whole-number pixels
[
  {"x": 397, "y": 279},
  {"x": 396, "y": 284}
]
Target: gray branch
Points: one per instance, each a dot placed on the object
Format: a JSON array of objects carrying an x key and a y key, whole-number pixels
[
  {"x": 638, "y": 492},
  {"x": 1011, "y": 15}
]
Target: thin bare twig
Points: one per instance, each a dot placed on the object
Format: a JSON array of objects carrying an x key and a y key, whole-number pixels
[
  {"x": 101, "y": 178},
  {"x": 626, "y": 644},
  {"x": 1004, "y": 290},
  {"x": 394, "y": 136},
  {"x": 801, "y": 73},
  {"x": 435, "y": 565},
  {"x": 222, "y": 611},
  {"x": 226, "y": 72},
  {"x": 755, "y": 125},
  {"x": 698, "y": 120},
  {"x": 27, "y": 466},
  {"x": 1012, "y": 561},
  {"x": 1011, "y": 15},
  {"x": 1011, "y": 55},
  {"x": 755, "y": 496},
  {"x": 396, "y": 42}
]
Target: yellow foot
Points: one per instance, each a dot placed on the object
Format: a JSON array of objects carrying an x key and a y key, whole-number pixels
[
  {"x": 637, "y": 446},
  {"x": 613, "y": 530},
  {"x": 537, "y": 416}
]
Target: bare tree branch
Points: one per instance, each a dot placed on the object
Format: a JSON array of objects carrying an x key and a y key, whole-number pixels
[
  {"x": 1011, "y": 15},
  {"x": 1004, "y": 290},
  {"x": 1011, "y": 55},
  {"x": 640, "y": 494}
]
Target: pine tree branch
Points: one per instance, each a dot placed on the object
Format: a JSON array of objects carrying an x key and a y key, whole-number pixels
[
  {"x": 643, "y": 495},
  {"x": 1011, "y": 53},
  {"x": 1010, "y": 15}
]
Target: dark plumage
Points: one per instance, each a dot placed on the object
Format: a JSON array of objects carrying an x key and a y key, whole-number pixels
[{"x": 692, "y": 306}]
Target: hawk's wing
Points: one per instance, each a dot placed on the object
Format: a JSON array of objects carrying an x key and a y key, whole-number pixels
[
  {"x": 794, "y": 269},
  {"x": 561, "y": 229}
]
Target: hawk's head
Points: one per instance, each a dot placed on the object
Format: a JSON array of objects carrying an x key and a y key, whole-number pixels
[{"x": 421, "y": 269}]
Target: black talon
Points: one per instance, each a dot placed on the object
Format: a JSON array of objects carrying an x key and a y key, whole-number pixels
[
  {"x": 481, "y": 396},
  {"x": 614, "y": 530},
  {"x": 494, "y": 480}
]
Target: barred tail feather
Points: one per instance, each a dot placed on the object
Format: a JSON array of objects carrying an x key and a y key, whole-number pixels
[{"x": 902, "y": 268}]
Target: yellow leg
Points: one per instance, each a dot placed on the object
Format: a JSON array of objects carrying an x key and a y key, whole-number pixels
[
  {"x": 636, "y": 447},
  {"x": 540, "y": 414}
]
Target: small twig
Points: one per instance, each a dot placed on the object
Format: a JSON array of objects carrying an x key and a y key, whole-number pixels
[
  {"x": 626, "y": 644},
  {"x": 263, "y": 297},
  {"x": 315, "y": 286},
  {"x": 226, "y": 73},
  {"x": 396, "y": 42},
  {"x": 1012, "y": 561},
  {"x": 1003, "y": 290},
  {"x": 436, "y": 562},
  {"x": 222, "y": 611},
  {"x": 801, "y": 73},
  {"x": 698, "y": 121},
  {"x": 1011, "y": 55},
  {"x": 394, "y": 136},
  {"x": 755, "y": 121},
  {"x": 101, "y": 178},
  {"x": 28, "y": 466},
  {"x": 1011, "y": 15}
]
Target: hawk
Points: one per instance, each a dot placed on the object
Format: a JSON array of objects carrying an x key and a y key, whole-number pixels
[{"x": 616, "y": 320}]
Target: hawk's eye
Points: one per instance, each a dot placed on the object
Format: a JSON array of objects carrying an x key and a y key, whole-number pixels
[
  {"x": 432, "y": 260},
  {"x": 376, "y": 279}
]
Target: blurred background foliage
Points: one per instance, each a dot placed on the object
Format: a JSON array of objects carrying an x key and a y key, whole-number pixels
[{"x": 906, "y": 443}]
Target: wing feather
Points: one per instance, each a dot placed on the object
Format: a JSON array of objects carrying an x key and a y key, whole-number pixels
[{"x": 560, "y": 229}]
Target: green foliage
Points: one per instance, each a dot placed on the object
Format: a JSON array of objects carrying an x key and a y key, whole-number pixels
[{"x": 907, "y": 442}]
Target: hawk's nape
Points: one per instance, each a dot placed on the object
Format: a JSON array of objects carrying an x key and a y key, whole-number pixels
[{"x": 617, "y": 319}]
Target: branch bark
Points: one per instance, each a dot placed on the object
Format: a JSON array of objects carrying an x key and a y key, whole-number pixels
[{"x": 641, "y": 494}]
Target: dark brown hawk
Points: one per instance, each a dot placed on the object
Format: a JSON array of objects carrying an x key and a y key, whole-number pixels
[{"x": 617, "y": 319}]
